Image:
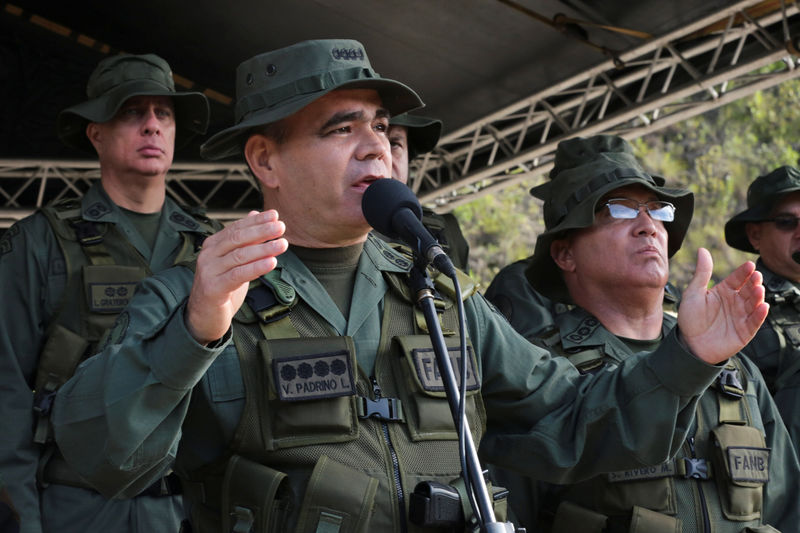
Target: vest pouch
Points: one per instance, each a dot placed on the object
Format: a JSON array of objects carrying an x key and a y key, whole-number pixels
[
  {"x": 253, "y": 497},
  {"x": 649, "y": 487},
  {"x": 421, "y": 388},
  {"x": 310, "y": 391},
  {"x": 59, "y": 358},
  {"x": 647, "y": 521},
  {"x": 742, "y": 464},
  {"x": 571, "y": 517},
  {"x": 338, "y": 499},
  {"x": 108, "y": 289},
  {"x": 760, "y": 529}
]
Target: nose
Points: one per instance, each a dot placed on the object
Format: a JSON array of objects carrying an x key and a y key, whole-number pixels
[
  {"x": 373, "y": 145},
  {"x": 150, "y": 123},
  {"x": 645, "y": 224}
]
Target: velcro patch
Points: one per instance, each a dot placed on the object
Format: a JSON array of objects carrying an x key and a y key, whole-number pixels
[
  {"x": 110, "y": 297},
  {"x": 748, "y": 464},
  {"x": 428, "y": 369},
  {"x": 315, "y": 376},
  {"x": 646, "y": 472}
]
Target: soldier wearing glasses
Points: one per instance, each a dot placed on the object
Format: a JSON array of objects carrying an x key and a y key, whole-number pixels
[
  {"x": 768, "y": 227},
  {"x": 610, "y": 229}
]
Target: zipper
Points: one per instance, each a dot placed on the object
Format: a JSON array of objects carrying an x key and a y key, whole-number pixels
[
  {"x": 703, "y": 506},
  {"x": 398, "y": 484}
]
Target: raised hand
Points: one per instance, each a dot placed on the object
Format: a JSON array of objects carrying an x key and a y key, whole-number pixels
[
  {"x": 718, "y": 322},
  {"x": 229, "y": 260}
]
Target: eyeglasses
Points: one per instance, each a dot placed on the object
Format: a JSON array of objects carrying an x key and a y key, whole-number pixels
[
  {"x": 784, "y": 222},
  {"x": 626, "y": 208}
]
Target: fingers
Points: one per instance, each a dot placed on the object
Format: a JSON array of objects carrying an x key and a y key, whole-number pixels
[
  {"x": 739, "y": 277},
  {"x": 254, "y": 228},
  {"x": 702, "y": 272},
  {"x": 229, "y": 260}
]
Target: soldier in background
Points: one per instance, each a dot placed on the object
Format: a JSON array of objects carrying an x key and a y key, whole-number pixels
[
  {"x": 769, "y": 227},
  {"x": 67, "y": 271},
  {"x": 411, "y": 136},
  {"x": 609, "y": 229}
]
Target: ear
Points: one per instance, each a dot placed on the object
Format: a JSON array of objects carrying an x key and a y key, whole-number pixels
[
  {"x": 561, "y": 252},
  {"x": 753, "y": 231},
  {"x": 260, "y": 152},
  {"x": 94, "y": 133}
]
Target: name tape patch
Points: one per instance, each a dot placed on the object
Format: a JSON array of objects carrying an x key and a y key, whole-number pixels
[
  {"x": 748, "y": 464},
  {"x": 647, "y": 472},
  {"x": 315, "y": 376},
  {"x": 428, "y": 369},
  {"x": 110, "y": 297}
]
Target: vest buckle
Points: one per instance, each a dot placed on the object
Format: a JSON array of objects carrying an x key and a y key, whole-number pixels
[
  {"x": 695, "y": 468},
  {"x": 389, "y": 409},
  {"x": 729, "y": 383}
]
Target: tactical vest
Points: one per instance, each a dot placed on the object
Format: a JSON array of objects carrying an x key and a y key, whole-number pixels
[
  {"x": 784, "y": 321},
  {"x": 721, "y": 469},
  {"x": 102, "y": 270},
  {"x": 321, "y": 446}
]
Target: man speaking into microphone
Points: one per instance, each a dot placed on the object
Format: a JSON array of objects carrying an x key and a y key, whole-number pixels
[{"x": 280, "y": 375}]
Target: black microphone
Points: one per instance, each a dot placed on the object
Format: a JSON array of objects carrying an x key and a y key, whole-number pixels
[{"x": 392, "y": 208}]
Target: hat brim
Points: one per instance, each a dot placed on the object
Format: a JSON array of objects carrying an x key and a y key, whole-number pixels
[
  {"x": 543, "y": 273},
  {"x": 396, "y": 97},
  {"x": 735, "y": 228},
  {"x": 423, "y": 132},
  {"x": 192, "y": 113}
]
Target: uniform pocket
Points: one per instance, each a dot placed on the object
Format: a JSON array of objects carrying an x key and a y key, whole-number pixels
[
  {"x": 422, "y": 391},
  {"x": 742, "y": 467},
  {"x": 310, "y": 391}
]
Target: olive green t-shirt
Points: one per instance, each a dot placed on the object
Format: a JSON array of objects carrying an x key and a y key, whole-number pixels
[
  {"x": 145, "y": 223},
  {"x": 335, "y": 268}
]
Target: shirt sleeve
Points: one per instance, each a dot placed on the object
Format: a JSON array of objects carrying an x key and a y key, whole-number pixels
[
  {"x": 32, "y": 279},
  {"x": 118, "y": 420},
  {"x": 547, "y": 420}
]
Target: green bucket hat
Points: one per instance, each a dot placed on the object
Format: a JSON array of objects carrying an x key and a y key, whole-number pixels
[
  {"x": 273, "y": 85},
  {"x": 762, "y": 196},
  {"x": 120, "y": 77},
  {"x": 423, "y": 132},
  {"x": 585, "y": 170}
]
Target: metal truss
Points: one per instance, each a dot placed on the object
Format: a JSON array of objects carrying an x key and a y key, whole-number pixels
[
  {"x": 711, "y": 62},
  {"x": 228, "y": 191}
]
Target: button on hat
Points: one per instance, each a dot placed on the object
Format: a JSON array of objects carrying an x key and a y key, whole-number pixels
[
  {"x": 120, "y": 77},
  {"x": 273, "y": 85}
]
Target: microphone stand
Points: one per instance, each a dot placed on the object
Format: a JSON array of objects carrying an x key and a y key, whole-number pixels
[{"x": 422, "y": 285}]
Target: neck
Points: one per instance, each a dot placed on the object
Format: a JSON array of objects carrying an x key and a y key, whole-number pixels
[
  {"x": 141, "y": 194},
  {"x": 634, "y": 314}
]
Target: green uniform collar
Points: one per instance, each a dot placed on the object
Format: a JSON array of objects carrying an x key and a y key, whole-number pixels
[
  {"x": 580, "y": 330},
  {"x": 98, "y": 207},
  {"x": 773, "y": 283},
  {"x": 377, "y": 257}
]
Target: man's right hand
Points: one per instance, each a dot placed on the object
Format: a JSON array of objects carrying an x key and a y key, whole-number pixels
[{"x": 229, "y": 260}]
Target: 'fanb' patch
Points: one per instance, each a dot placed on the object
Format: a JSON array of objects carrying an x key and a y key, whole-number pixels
[
  {"x": 428, "y": 369},
  {"x": 311, "y": 377},
  {"x": 110, "y": 297},
  {"x": 748, "y": 464}
]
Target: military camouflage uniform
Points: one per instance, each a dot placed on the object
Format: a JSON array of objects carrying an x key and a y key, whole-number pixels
[{"x": 65, "y": 273}]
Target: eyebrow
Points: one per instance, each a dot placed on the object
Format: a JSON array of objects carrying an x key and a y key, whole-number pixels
[{"x": 350, "y": 116}]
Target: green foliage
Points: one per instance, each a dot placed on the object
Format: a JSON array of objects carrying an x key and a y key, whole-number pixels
[{"x": 715, "y": 155}]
